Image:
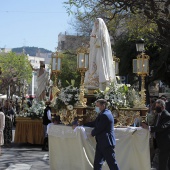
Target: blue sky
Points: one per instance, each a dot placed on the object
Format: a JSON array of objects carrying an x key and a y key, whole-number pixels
[{"x": 32, "y": 23}]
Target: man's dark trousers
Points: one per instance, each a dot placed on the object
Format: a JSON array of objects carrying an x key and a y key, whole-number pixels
[
  {"x": 164, "y": 159},
  {"x": 107, "y": 154}
]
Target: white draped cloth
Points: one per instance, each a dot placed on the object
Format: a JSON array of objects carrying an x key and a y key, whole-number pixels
[
  {"x": 75, "y": 149},
  {"x": 42, "y": 82},
  {"x": 101, "y": 66}
]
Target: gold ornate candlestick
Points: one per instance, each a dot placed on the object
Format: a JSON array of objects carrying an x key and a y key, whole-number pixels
[
  {"x": 141, "y": 68},
  {"x": 82, "y": 66}
]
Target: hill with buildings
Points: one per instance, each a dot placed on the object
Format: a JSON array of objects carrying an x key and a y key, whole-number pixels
[{"x": 32, "y": 51}]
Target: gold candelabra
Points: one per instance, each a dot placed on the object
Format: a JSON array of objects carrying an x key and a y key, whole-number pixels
[
  {"x": 56, "y": 70},
  {"x": 141, "y": 68},
  {"x": 82, "y": 67}
]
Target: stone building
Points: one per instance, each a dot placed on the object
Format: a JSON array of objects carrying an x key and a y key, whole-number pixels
[{"x": 71, "y": 42}]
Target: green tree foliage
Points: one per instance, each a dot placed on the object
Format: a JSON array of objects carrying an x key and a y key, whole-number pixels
[
  {"x": 155, "y": 11},
  {"x": 128, "y": 21},
  {"x": 16, "y": 70},
  {"x": 69, "y": 71}
]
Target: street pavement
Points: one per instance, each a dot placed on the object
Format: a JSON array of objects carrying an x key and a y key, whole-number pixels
[{"x": 24, "y": 157}]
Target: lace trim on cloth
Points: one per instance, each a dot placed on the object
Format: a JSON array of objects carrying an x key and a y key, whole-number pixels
[
  {"x": 62, "y": 131},
  {"x": 124, "y": 132},
  {"x": 67, "y": 132}
]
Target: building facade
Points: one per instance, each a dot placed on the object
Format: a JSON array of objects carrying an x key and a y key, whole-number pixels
[{"x": 71, "y": 42}]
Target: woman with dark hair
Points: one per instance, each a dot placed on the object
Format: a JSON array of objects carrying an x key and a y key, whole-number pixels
[{"x": 8, "y": 124}]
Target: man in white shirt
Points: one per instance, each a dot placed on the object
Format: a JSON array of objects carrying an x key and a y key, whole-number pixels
[{"x": 55, "y": 121}]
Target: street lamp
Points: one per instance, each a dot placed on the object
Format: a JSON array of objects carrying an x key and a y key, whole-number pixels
[
  {"x": 116, "y": 61},
  {"x": 82, "y": 61},
  {"x": 140, "y": 45},
  {"x": 56, "y": 70},
  {"x": 141, "y": 68},
  {"x": 82, "y": 67},
  {"x": 56, "y": 65}
]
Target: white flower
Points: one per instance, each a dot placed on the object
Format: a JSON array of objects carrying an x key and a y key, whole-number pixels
[
  {"x": 108, "y": 104},
  {"x": 68, "y": 87},
  {"x": 66, "y": 103},
  {"x": 113, "y": 101},
  {"x": 106, "y": 97},
  {"x": 74, "y": 88},
  {"x": 119, "y": 95},
  {"x": 70, "y": 107},
  {"x": 70, "y": 95}
]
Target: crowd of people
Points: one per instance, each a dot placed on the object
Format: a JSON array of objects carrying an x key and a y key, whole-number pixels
[
  {"x": 8, "y": 110},
  {"x": 157, "y": 122}
]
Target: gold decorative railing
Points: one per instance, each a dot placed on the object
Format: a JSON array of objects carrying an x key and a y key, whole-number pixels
[{"x": 123, "y": 116}]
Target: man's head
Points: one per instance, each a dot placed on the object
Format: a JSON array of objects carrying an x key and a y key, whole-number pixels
[
  {"x": 160, "y": 105},
  {"x": 42, "y": 64},
  {"x": 164, "y": 98},
  {"x": 96, "y": 22},
  {"x": 56, "y": 120},
  {"x": 47, "y": 103},
  {"x": 74, "y": 124},
  {"x": 100, "y": 105}
]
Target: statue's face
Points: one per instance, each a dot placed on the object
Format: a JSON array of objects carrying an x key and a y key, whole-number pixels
[{"x": 96, "y": 23}]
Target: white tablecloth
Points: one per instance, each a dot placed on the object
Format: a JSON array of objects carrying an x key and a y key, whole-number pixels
[{"x": 69, "y": 150}]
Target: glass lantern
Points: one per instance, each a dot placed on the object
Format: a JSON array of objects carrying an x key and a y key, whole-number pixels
[
  {"x": 56, "y": 62},
  {"x": 140, "y": 45},
  {"x": 141, "y": 64},
  {"x": 82, "y": 58}
]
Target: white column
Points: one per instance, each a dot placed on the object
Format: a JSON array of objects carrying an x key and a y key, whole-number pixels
[{"x": 32, "y": 83}]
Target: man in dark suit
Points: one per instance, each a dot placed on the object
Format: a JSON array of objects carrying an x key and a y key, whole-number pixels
[
  {"x": 161, "y": 132},
  {"x": 167, "y": 103},
  {"x": 105, "y": 137}
]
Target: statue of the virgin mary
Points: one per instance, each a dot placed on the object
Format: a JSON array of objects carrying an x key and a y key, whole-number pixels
[{"x": 101, "y": 68}]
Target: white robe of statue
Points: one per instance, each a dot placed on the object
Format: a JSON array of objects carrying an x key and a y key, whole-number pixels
[
  {"x": 101, "y": 68},
  {"x": 42, "y": 80}
]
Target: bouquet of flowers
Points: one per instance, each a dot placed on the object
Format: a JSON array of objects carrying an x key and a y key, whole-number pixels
[
  {"x": 35, "y": 111},
  {"x": 117, "y": 96},
  {"x": 68, "y": 97}
]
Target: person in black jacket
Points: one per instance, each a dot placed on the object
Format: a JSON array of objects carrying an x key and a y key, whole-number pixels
[
  {"x": 105, "y": 137},
  {"x": 161, "y": 132},
  {"x": 46, "y": 117}
]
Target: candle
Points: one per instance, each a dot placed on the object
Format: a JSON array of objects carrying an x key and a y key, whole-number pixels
[
  {"x": 87, "y": 61},
  {"x": 54, "y": 64},
  {"x": 59, "y": 64},
  {"x": 81, "y": 60}
]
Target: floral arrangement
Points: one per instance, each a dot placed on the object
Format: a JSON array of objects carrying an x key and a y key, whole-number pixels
[
  {"x": 36, "y": 111},
  {"x": 68, "y": 97},
  {"x": 118, "y": 96}
]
